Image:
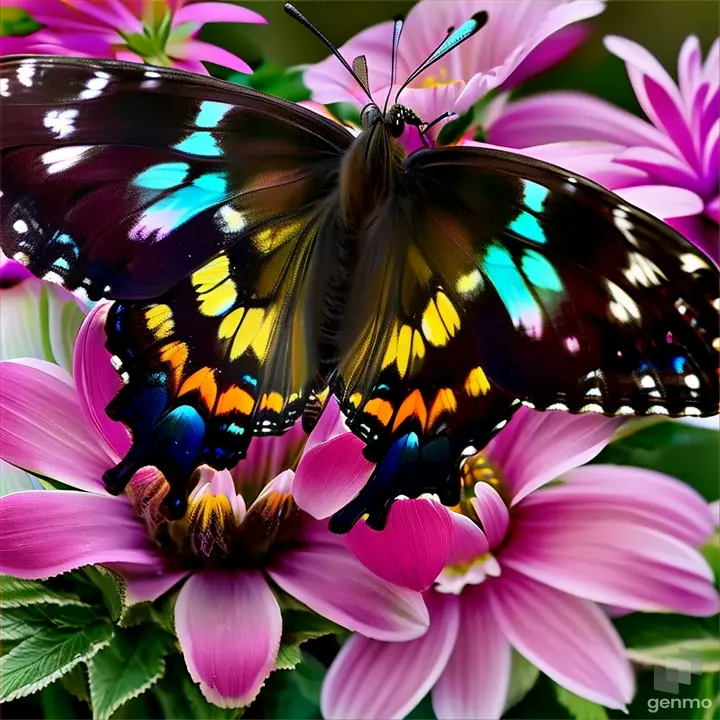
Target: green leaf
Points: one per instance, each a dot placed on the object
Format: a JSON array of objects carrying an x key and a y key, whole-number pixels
[
  {"x": 523, "y": 676},
  {"x": 19, "y": 623},
  {"x": 47, "y": 655},
  {"x": 300, "y": 624},
  {"x": 56, "y": 702},
  {"x": 112, "y": 588},
  {"x": 275, "y": 80},
  {"x": 180, "y": 697},
  {"x": 671, "y": 641},
  {"x": 579, "y": 708},
  {"x": 21, "y": 593},
  {"x": 132, "y": 662},
  {"x": 686, "y": 452},
  {"x": 711, "y": 552},
  {"x": 75, "y": 682},
  {"x": 288, "y": 657},
  {"x": 295, "y": 694}
]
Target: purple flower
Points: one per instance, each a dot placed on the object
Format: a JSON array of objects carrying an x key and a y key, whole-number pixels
[
  {"x": 531, "y": 565},
  {"x": 241, "y": 531},
  {"x": 159, "y": 32},
  {"x": 522, "y": 37},
  {"x": 679, "y": 149}
]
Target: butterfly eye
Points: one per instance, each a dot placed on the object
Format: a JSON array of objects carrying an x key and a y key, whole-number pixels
[{"x": 369, "y": 115}]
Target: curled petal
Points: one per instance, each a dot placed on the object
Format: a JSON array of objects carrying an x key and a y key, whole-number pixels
[
  {"x": 61, "y": 446},
  {"x": 229, "y": 626},
  {"x": 469, "y": 542},
  {"x": 492, "y": 513},
  {"x": 412, "y": 549},
  {"x": 197, "y": 50},
  {"x": 371, "y": 679},
  {"x": 207, "y": 12},
  {"x": 663, "y": 201},
  {"x": 97, "y": 381}
]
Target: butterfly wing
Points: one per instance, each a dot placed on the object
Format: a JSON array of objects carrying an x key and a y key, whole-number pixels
[
  {"x": 206, "y": 209},
  {"x": 120, "y": 179},
  {"x": 513, "y": 280}
]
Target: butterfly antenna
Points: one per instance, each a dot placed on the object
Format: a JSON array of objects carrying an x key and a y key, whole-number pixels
[
  {"x": 455, "y": 37},
  {"x": 397, "y": 32},
  {"x": 438, "y": 119},
  {"x": 295, "y": 14}
]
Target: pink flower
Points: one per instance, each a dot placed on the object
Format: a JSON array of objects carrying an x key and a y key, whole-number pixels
[
  {"x": 530, "y": 566},
  {"x": 240, "y": 533},
  {"x": 159, "y": 32},
  {"x": 521, "y": 37},
  {"x": 679, "y": 149}
]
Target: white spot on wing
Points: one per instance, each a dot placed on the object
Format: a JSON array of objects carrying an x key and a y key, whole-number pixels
[
  {"x": 61, "y": 123},
  {"x": 20, "y": 226},
  {"x": 63, "y": 158}
]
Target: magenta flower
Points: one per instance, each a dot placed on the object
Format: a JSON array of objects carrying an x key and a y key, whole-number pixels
[
  {"x": 159, "y": 32},
  {"x": 240, "y": 533},
  {"x": 531, "y": 565},
  {"x": 678, "y": 149},
  {"x": 522, "y": 37}
]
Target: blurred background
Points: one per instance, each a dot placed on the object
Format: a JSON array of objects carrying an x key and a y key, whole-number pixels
[{"x": 659, "y": 25}]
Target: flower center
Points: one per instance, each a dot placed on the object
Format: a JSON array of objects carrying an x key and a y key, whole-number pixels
[
  {"x": 476, "y": 469},
  {"x": 441, "y": 79},
  {"x": 216, "y": 530}
]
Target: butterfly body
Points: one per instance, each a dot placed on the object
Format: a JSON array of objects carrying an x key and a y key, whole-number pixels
[{"x": 262, "y": 259}]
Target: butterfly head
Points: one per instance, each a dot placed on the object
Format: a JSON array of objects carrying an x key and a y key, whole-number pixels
[{"x": 394, "y": 119}]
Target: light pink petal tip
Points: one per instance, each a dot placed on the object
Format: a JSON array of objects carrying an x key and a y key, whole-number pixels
[
  {"x": 537, "y": 447},
  {"x": 476, "y": 680},
  {"x": 331, "y": 474},
  {"x": 207, "y": 12},
  {"x": 383, "y": 680},
  {"x": 197, "y": 50},
  {"x": 96, "y": 380},
  {"x": 324, "y": 575},
  {"x": 554, "y": 631},
  {"x": 47, "y": 533},
  {"x": 492, "y": 513},
  {"x": 229, "y": 626},
  {"x": 43, "y": 429},
  {"x": 618, "y": 536},
  {"x": 412, "y": 549}
]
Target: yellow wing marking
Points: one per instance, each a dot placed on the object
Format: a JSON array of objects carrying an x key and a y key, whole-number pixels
[
  {"x": 444, "y": 402},
  {"x": 159, "y": 320},
  {"x": 404, "y": 346},
  {"x": 217, "y": 293},
  {"x": 440, "y": 320},
  {"x": 268, "y": 240},
  {"x": 476, "y": 383},
  {"x": 175, "y": 354},
  {"x": 355, "y": 399},
  {"x": 272, "y": 401},
  {"x": 379, "y": 408}
]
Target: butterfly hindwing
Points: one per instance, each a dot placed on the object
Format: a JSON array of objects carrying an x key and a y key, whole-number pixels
[{"x": 120, "y": 179}]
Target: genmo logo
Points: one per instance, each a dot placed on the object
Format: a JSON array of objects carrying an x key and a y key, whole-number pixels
[{"x": 655, "y": 704}]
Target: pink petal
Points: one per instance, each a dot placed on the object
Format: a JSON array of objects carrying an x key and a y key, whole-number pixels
[
  {"x": 663, "y": 201},
  {"x": 45, "y": 533},
  {"x": 550, "y": 52},
  {"x": 189, "y": 64},
  {"x": 128, "y": 56},
  {"x": 561, "y": 116},
  {"x": 475, "y": 682},
  {"x": 205, "y": 52},
  {"x": 370, "y": 679},
  {"x": 607, "y": 553},
  {"x": 43, "y": 429},
  {"x": 712, "y": 209},
  {"x": 323, "y": 574},
  {"x": 330, "y": 475},
  {"x": 96, "y": 380},
  {"x": 667, "y": 168},
  {"x": 701, "y": 232},
  {"x": 207, "y": 12},
  {"x": 229, "y": 626},
  {"x": 412, "y": 549},
  {"x": 689, "y": 68},
  {"x": 649, "y": 498},
  {"x": 332, "y": 421},
  {"x": 144, "y": 584},
  {"x": 469, "y": 542},
  {"x": 492, "y": 513},
  {"x": 569, "y": 639},
  {"x": 535, "y": 447}
]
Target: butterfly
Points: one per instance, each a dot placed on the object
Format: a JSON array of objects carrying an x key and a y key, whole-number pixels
[{"x": 263, "y": 259}]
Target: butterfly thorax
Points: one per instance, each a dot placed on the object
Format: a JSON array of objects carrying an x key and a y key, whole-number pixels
[{"x": 371, "y": 167}]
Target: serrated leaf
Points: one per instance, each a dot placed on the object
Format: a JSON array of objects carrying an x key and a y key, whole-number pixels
[
  {"x": 523, "y": 676},
  {"x": 288, "y": 657},
  {"x": 47, "y": 655},
  {"x": 21, "y": 593},
  {"x": 180, "y": 697},
  {"x": 671, "y": 641},
  {"x": 75, "y": 682},
  {"x": 19, "y": 623},
  {"x": 132, "y": 662},
  {"x": 579, "y": 708},
  {"x": 111, "y": 586},
  {"x": 301, "y": 625}
]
